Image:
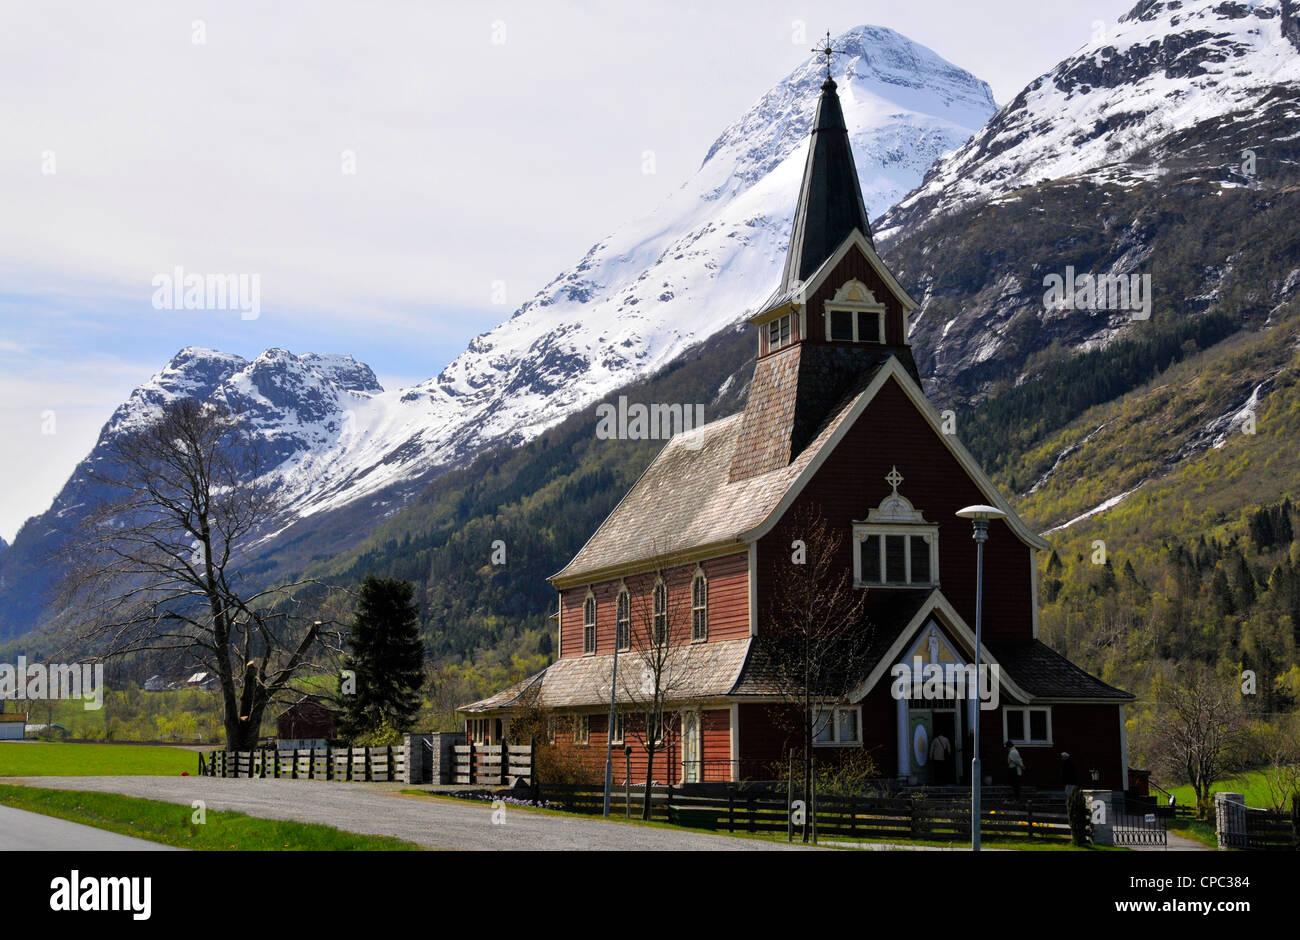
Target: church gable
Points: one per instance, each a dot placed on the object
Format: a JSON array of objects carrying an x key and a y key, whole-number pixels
[
  {"x": 853, "y": 293},
  {"x": 891, "y": 472}
]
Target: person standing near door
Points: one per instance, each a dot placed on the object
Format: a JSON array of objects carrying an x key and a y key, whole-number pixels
[
  {"x": 1015, "y": 768},
  {"x": 941, "y": 758}
]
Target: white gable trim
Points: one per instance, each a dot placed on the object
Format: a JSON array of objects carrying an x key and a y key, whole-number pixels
[
  {"x": 858, "y": 240},
  {"x": 958, "y": 630},
  {"x": 894, "y": 369}
]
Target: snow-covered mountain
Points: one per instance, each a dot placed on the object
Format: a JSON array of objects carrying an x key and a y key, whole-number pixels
[
  {"x": 712, "y": 251},
  {"x": 642, "y": 295},
  {"x": 1167, "y": 66},
  {"x": 697, "y": 264}
]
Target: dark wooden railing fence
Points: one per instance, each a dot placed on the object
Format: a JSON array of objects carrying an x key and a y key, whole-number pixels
[
  {"x": 738, "y": 809},
  {"x": 385, "y": 763}
]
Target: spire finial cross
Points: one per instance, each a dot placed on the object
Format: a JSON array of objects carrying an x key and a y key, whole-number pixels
[
  {"x": 828, "y": 51},
  {"x": 893, "y": 478}
]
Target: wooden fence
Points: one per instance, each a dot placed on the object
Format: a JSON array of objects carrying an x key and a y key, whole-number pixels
[
  {"x": 1268, "y": 831},
  {"x": 746, "y": 810},
  {"x": 344, "y": 763},
  {"x": 1247, "y": 827},
  {"x": 498, "y": 765}
]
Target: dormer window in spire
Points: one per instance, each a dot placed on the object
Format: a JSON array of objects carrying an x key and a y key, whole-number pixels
[
  {"x": 854, "y": 315},
  {"x": 778, "y": 333}
]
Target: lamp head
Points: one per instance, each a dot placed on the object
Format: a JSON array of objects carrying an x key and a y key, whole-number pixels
[{"x": 980, "y": 511}]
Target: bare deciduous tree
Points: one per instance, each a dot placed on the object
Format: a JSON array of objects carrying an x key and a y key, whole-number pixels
[
  {"x": 816, "y": 651},
  {"x": 657, "y": 667},
  {"x": 157, "y": 571},
  {"x": 1198, "y": 729}
]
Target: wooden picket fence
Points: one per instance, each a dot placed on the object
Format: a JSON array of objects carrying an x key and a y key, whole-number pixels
[
  {"x": 753, "y": 810},
  {"x": 344, "y": 763},
  {"x": 499, "y": 765}
]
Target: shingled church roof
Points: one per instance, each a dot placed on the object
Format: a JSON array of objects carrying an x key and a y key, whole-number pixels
[{"x": 685, "y": 501}]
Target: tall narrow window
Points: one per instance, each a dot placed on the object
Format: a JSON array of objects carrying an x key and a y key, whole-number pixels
[
  {"x": 699, "y": 607},
  {"x": 617, "y": 736},
  {"x": 623, "y": 620},
  {"x": 778, "y": 333},
  {"x": 660, "y": 613},
  {"x": 589, "y": 624}
]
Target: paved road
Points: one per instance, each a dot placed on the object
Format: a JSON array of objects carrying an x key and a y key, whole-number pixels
[
  {"x": 21, "y": 831},
  {"x": 380, "y": 810}
]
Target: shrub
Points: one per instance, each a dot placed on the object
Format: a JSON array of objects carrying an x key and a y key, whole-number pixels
[{"x": 1076, "y": 808}]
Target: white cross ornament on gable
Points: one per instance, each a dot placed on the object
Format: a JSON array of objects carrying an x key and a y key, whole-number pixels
[{"x": 895, "y": 507}]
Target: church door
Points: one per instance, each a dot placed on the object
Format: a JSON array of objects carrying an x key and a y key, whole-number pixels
[
  {"x": 921, "y": 728},
  {"x": 691, "y": 747}
]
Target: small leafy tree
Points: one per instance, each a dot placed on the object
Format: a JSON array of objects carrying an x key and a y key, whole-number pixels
[{"x": 387, "y": 657}]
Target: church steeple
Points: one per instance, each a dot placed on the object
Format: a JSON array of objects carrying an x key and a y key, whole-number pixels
[
  {"x": 838, "y": 314},
  {"x": 830, "y": 200}
]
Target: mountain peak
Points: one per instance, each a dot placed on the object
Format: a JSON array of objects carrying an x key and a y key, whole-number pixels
[{"x": 1165, "y": 67}]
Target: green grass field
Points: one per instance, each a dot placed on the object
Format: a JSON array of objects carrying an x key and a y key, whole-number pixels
[
  {"x": 171, "y": 824},
  {"x": 40, "y": 759},
  {"x": 1250, "y": 783}
]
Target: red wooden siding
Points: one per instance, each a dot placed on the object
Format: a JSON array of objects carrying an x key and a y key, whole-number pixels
[
  {"x": 715, "y": 748},
  {"x": 728, "y": 578},
  {"x": 715, "y": 744},
  {"x": 852, "y": 481},
  {"x": 855, "y": 265}
]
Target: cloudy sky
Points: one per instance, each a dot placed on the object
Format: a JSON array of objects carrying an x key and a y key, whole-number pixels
[{"x": 491, "y": 143}]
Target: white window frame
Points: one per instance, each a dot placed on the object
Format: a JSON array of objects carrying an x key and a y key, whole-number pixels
[
  {"x": 618, "y": 731},
  {"x": 623, "y": 621},
  {"x": 835, "y": 726},
  {"x": 478, "y": 730},
  {"x": 582, "y": 729},
  {"x": 589, "y": 624},
  {"x": 788, "y": 330},
  {"x": 658, "y": 629},
  {"x": 699, "y": 611},
  {"x": 855, "y": 298},
  {"x": 931, "y": 533},
  {"x": 854, "y": 312},
  {"x": 1025, "y": 710}
]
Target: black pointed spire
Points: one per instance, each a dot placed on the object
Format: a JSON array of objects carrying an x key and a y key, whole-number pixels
[{"x": 830, "y": 200}]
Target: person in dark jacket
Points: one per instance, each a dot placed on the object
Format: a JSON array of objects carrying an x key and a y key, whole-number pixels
[
  {"x": 1069, "y": 775},
  {"x": 1015, "y": 768}
]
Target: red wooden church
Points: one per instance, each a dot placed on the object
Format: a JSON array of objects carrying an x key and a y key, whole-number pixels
[{"x": 836, "y": 420}]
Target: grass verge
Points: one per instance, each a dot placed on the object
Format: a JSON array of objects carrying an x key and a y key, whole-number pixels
[
  {"x": 172, "y": 824},
  {"x": 57, "y": 759}
]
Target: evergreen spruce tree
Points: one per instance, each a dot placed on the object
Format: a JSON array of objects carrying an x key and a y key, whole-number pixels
[{"x": 387, "y": 656}]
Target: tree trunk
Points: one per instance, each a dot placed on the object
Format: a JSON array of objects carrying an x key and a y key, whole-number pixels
[{"x": 649, "y": 775}]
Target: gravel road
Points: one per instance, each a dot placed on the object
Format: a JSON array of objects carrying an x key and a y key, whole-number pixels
[{"x": 380, "y": 810}]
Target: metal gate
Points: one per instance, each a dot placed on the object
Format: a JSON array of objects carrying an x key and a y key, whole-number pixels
[{"x": 1140, "y": 829}]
